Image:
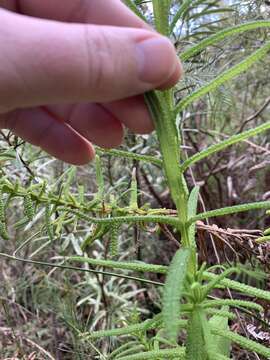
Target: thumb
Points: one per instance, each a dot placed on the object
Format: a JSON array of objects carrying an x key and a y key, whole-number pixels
[{"x": 43, "y": 62}]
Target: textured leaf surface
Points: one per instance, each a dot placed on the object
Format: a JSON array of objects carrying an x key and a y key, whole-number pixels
[
  {"x": 221, "y": 345},
  {"x": 221, "y": 35},
  {"x": 224, "y": 77},
  {"x": 196, "y": 346},
  {"x": 243, "y": 342},
  {"x": 173, "y": 292},
  {"x": 177, "y": 353},
  {"x": 192, "y": 210}
]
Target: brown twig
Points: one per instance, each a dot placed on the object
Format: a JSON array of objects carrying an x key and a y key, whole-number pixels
[{"x": 255, "y": 115}]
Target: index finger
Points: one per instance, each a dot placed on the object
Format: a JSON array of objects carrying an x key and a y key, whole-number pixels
[{"x": 101, "y": 12}]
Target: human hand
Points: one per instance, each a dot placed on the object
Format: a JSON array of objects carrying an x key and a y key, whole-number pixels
[{"x": 72, "y": 72}]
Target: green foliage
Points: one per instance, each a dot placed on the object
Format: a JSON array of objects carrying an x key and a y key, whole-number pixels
[
  {"x": 221, "y": 345},
  {"x": 173, "y": 291},
  {"x": 146, "y": 325},
  {"x": 192, "y": 210},
  {"x": 161, "y": 15},
  {"x": 135, "y": 9},
  {"x": 224, "y": 77},
  {"x": 114, "y": 247},
  {"x": 3, "y": 229},
  {"x": 223, "y": 145},
  {"x": 177, "y": 353},
  {"x": 243, "y": 288},
  {"x": 231, "y": 210},
  {"x": 242, "y": 341},
  {"x": 133, "y": 203},
  {"x": 188, "y": 304},
  {"x": 28, "y": 207},
  {"x": 197, "y": 336},
  {"x": 135, "y": 266},
  {"x": 130, "y": 155},
  {"x": 48, "y": 224},
  {"x": 221, "y": 35}
]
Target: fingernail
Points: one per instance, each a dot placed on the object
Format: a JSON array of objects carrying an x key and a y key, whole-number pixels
[{"x": 157, "y": 60}]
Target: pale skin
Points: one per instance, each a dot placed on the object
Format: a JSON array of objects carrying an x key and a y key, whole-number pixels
[{"x": 73, "y": 72}]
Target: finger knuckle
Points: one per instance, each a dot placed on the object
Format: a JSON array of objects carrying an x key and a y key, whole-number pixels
[{"x": 99, "y": 58}]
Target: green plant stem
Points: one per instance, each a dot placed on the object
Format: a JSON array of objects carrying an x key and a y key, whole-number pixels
[
  {"x": 169, "y": 139},
  {"x": 161, "y": 14}
]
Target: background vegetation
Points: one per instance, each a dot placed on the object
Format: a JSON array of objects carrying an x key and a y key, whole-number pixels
[{"x": 49, "y": 306}]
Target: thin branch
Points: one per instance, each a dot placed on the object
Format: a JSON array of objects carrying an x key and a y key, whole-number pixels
[
  {"x": 60, "y": 266},
  {"x": 255, "y": 115}
]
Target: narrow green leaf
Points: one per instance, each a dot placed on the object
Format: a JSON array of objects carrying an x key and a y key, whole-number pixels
[
  {"x": 233, "y": 303},
  {"x": 192, "y": 211},
  {"x": 224, "y": 144},
  {"x": 28, "y": 205},
  {"x": 114, "y": 236},
  {"x": 129, "y": 155},
  {"x": 179, "y": 15},
  {"x": 173, "y": 292},
  {"x": 266, "y": 232},
  {"x": 129, "y": 219},
  {"x": 196, "y": 342},
  {"x": 133, "y": 203},
  {"x": 221, "y": 345},
  {"x": 176, "y": 353},
  {"x": 243, "y": 288},
  {"x": 220, "y": 313},
  {"x": 132, "y": 266},
  {"x": 126, "y": 330},
  {"x": 135, "y": 9},
  {"x": 71, "y": 174},
  {"x": 3, "y": 231},
  {"x": 48, "y": 223},
  {"x": 242, "y": 341},
  {"x": 224, "y": 77},
  {"x": 214, "y": 282},
  {"x": 128, "y": 345},
  {"x": 96, "y": 233},
  {"x": 100, "y": 179},
  {"x": 231, "y": 210},
  {"x": 263, "y": 239},
  {"x": 133, "y": 350},
  {"x": 210, "y": 12},
  {"x": 221, "y": 35}
]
